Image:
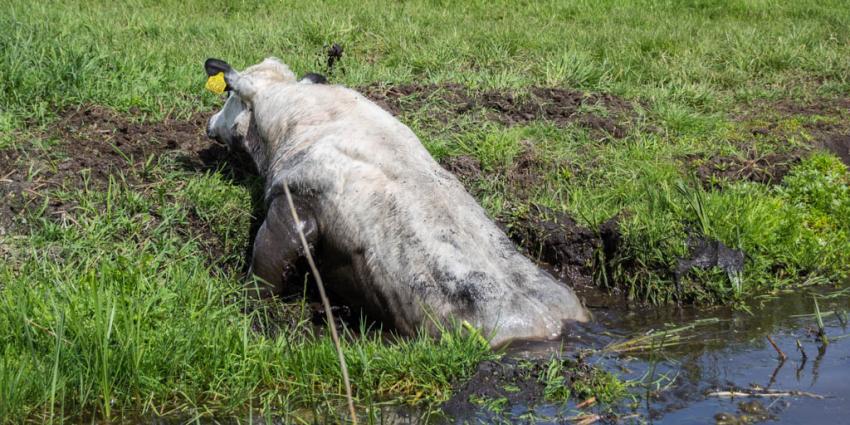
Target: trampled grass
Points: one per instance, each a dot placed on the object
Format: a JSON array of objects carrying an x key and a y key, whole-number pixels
[{"x": 118, "y": 307}]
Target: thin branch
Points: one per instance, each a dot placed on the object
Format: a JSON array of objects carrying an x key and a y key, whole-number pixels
[
  {"x": 771, "y": 394},
  {"x": 782, "y": 355},
  {"x": 325, "y": 303}
]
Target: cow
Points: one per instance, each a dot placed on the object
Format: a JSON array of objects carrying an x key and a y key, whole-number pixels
[{"x": 398, "y": 236}]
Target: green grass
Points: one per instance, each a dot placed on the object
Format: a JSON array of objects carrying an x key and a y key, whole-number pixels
[
  {"x": 119, "y": 310},
  {"x": 691, "y": 58},
  {"x": 120, "y": 315}
]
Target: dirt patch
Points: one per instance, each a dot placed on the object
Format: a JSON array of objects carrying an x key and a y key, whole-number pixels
[
  {"x": 107, "y": 143},
  {"x": 823, "y": 107},
  {"x": 767, "y": 169},
  {"x": 838, "y": 145},
  {"x": 465, "y": 167},
  {"x": 526, "y": 169},
  {"x": 94, "y": 145},
  {"x": 792, "y": 130},
  {"x": 604, "y": 114}
]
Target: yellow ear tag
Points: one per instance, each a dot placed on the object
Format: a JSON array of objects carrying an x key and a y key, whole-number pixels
[{"x": 216, "y": 83}]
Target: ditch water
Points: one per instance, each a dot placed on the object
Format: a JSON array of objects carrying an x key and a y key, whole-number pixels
[{"x": 718, "y": 352}]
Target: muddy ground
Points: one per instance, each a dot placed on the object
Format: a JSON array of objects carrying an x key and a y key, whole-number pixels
[
  {"x": 763, "y": 123},
  {"x": 604, "y": 115},
  {"x": 91, "y": 144},
  {"x": 513, "y": 382}
]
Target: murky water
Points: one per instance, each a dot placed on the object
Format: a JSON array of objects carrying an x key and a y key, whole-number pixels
[{"x": 721, "y": 351}]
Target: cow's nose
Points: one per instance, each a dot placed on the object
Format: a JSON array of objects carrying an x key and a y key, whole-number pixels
[{"x": 209, "y": 131}]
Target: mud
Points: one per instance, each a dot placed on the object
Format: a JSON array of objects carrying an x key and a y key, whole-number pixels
[
  {"x": 766, "y": 169},
  {"x": 558, "y": 240},
  {"x": 604, "y": 115},
  {"x": 95, "y": 145},
  {"x": 824, "y": 127},
  {"x": 515, "y": 381},
  {"x": 106, "y": 142},
  {"x": 465, "y": 167},
  {"x": 706, "y": 253},
  {"x": 839, "y": 145}
]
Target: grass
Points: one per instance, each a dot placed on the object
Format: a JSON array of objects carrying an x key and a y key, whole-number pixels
[
  {"x": 119, "y": 315},
  {"x": 118, "y": 308}
]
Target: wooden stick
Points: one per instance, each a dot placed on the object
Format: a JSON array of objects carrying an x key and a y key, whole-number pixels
[
  {"x": 771, "y": 394},
  {"x": 325, "y": 303},
  {"x": 782, "y": 355}
]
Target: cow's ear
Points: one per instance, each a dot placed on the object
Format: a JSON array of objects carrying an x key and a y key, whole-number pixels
[
  {"x": 218, "y": 72},
  {"x": 215, "y": 66},
  {"x": 222, "y": 77}
]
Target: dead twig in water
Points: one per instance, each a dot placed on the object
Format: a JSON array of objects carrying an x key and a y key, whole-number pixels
[
  {"x": 768, "y": 394},
  {"x": 589, "y": 402},
  {"x": 782, "y": 355},
  {"x": 585, "y": 419},
  {"x": 325, "y": 303}
]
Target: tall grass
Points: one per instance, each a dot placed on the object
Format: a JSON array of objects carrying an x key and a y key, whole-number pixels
[{"x": 117, "y": 314}]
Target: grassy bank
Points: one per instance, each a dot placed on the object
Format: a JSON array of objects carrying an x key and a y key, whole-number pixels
[
  {"x": 118, "y": 290},
  {"x": 117, "y": 314}
]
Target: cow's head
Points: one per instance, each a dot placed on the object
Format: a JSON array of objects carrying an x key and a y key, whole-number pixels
[{"x": 232, "y": 125}]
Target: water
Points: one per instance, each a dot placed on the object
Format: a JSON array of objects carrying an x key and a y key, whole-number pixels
[{"x": 724, "y": 351}]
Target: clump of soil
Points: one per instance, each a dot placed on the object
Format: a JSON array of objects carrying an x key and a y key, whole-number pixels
[
  {"x": 604, "y": 114},
  {"x": 706, "y": 253},
  {"x": 838, "y": 145},
  {"x": 466, "y": 168}
]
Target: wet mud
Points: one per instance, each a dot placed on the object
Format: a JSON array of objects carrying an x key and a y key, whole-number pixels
[
  {"x": 517, "y": 381},
  {"x": 558, "y": 240}
]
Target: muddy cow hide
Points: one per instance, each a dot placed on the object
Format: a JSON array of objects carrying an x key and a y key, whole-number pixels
[{"x": 398, "y": 235}]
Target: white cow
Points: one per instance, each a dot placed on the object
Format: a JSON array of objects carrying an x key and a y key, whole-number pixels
[{"x": 398, "y": 236}]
